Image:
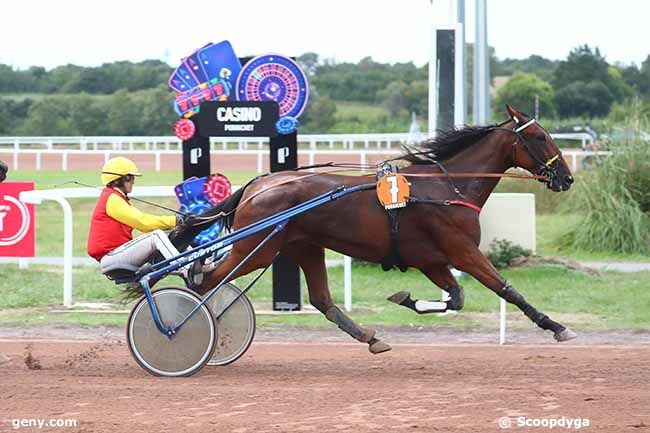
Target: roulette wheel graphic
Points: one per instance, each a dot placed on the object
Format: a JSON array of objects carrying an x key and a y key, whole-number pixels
[{"x": 272, "y": 77}]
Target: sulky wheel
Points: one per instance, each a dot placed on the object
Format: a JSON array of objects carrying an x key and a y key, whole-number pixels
[
  {"x": 236, "y": 328},
  {"x": 187, "y": 351}
]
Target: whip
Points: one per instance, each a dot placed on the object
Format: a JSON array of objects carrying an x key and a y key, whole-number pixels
[{"x": 130, "y": 198}]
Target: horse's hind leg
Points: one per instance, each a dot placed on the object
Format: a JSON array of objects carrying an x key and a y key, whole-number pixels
[
  {"x": 471, "y": 260},
  {"x": 311, "y": 259},
  {"x": 441, "y": 276}
]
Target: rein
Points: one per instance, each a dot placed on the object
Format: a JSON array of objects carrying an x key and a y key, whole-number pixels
[
  {"x": 471, "y": 175},
  {"x": 372, "y": 168}
]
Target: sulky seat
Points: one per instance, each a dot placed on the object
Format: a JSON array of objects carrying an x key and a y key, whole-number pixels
[{"x": 121, "y": 273}]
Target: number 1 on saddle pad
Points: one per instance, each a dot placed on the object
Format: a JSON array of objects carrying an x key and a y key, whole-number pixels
[{"x": 393, "y": 191}]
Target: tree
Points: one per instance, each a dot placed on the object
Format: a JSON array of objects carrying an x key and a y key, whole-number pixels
[
  {"x": 123, "y": 114},
  {"x": 418, "y": 97},
  {"x": 584, "y": 99},
  {"x": 534, "y": 64},
  {"x": 320, "y": 115},
  {"x": 617, "y": 85},
  {"x": 49, "y": 116},
  {"x": 4, "y": 121},
  {"x": 644, "y": 77},
  {"x": 157, "y": 116},
  {"x": 394, "y": 97},
  {"x": 586, "y": 70},
  {"x": 308, "y": 62},
  {"x": 583, "y": 64},
  {"x": 520, "y": 92}
]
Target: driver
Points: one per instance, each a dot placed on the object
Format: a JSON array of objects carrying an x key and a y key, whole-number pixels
[{"x": 110, "y": 240}]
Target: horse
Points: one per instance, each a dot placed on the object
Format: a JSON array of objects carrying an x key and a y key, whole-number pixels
[
  {"x": 436, "y": 231},
  {"x": 3, "y": 171}
]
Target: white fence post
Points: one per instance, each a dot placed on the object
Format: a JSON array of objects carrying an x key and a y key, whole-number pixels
[
  {"x": 574, "y": 162},
  {"x": 260, "y": 163},
  {"x": 67, "y": 251},
  {"x": 502, "y": 321},
  {"x": 347, "y": 283}
]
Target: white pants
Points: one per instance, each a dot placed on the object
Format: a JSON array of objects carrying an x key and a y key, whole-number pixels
[{"x": 138, "y": 251}]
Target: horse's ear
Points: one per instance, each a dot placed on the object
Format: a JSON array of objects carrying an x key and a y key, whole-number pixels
[{"x": 514, "y": 115}]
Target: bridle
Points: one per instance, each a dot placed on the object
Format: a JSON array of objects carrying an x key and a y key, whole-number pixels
[{"x": 548, "y": 168}]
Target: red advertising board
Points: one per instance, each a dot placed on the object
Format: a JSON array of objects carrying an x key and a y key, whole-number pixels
[{"x": 16, "y": 221}]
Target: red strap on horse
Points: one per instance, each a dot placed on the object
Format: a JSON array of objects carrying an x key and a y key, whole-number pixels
[{"x": 466, "y": 204}]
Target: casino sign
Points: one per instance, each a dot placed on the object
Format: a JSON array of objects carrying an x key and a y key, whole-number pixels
[{"x": 237, "y": 119}]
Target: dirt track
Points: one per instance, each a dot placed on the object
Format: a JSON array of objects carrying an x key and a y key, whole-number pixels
[{"x": 336, "y": 386}]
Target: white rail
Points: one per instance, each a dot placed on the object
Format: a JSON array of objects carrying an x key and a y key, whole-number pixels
[
  {"x": 573, "y": 157},
  {"x": 157, "y": 143}
]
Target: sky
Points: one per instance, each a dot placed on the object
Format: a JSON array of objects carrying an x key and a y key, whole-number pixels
[{"x": 90, "y": 32}]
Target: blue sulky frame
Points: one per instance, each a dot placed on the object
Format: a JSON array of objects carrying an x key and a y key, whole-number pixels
[{"x": 277, "y": 221}]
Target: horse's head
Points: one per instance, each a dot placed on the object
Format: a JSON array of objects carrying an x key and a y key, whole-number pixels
[{"x": 536, "y": 151}]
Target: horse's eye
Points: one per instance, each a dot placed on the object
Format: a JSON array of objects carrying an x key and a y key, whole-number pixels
[{"x": 540, "y": 137}]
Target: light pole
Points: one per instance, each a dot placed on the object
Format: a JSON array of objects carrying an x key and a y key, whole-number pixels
[
  {"x": 481, "y": 75},
  {"x": 447, "y": 89}
]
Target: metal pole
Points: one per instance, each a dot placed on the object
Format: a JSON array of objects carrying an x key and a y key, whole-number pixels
[
  {"x": 481, "y": 74},
  {"x": 461, "y": 100},
  {"x": 502, "y": 321},
  {"x": 433, "y": 84}
]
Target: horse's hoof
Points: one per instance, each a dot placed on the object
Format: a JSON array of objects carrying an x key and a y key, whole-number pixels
[
  {"x": 565, "y": 335},
  {"x": 399, "y": 297},
  {"x": 378, "y": 347}
]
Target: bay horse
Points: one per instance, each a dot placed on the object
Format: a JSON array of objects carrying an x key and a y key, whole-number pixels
[
  {"x": 430, "y": 238},
  {"x": 3, "y": 171}
]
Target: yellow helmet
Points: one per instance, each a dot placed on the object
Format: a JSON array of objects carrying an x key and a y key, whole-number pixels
[{"x": 115, "y": 168}]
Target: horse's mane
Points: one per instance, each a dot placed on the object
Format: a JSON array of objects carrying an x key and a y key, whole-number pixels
[{"x": 445, "y": 144}]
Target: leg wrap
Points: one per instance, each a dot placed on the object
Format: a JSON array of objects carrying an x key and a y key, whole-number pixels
[
  {"x": 514, "y": 297},
  {"x": 335, "y": 315},
  {"x": 420, "y": 307},
  {"x": 457, "y": 300}
]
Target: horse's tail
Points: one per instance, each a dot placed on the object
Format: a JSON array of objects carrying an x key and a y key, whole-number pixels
[
  {"x": 229, "y": 206},
  {"x": 183, "y": 235}
]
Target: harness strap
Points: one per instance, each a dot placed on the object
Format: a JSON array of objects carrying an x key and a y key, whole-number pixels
[
  {"x": 446, "y": 203},
  {"x": 551, "y": 160},
  {"x": 393, "y": 259},
  {"x": 525, "y": 125}
]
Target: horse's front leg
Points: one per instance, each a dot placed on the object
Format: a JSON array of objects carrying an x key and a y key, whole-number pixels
[
  {"x": 471, "y": 260},
  {"x": 442, "y": 277}
]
